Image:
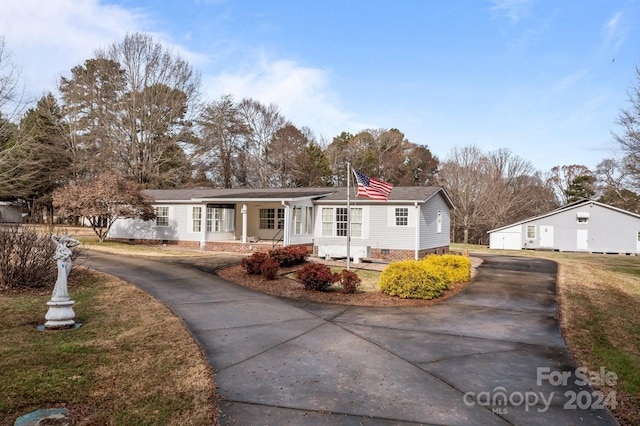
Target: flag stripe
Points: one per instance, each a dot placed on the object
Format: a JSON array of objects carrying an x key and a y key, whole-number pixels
[{"x": 372, "y": 188}]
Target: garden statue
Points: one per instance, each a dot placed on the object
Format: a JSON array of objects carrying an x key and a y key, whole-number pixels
[{"x": 60, "y": 314}]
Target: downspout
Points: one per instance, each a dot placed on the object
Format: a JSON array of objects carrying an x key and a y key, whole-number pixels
[{"x": 417, "y": 250}]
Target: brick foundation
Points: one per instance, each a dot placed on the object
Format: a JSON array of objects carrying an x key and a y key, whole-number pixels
[
  {"x": 390, "y": 255},
  {"x": 393, "y": 255}
]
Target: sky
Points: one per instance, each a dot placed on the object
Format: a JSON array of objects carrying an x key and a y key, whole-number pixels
[{"x": 545, "y": 79}]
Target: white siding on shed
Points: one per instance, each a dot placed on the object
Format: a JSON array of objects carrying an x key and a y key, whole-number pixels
[{"x": 506, "y": 239}]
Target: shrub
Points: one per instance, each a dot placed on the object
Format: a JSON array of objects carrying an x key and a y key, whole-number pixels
[
  {"x": 455, "y": 267},
  {"x": 349, "y": 281},
  {"x": 411, "y": 279},
  {"x": 315, "y": 276},
  {"x": 290, "y": 256},
  {"x": 26, "y": 258},
  {"x": 253, "y": 263},
  {"x": 269, "y": 268}
]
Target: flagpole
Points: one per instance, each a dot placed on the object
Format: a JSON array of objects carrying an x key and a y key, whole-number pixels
[{"x": 348, "y": 215}]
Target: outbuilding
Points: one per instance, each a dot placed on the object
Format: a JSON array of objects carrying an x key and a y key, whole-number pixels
[{"x": 583, "y": 226}]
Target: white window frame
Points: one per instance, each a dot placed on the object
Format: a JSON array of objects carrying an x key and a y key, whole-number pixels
[
  {"x": 334, "y": 221},
  {"x": 271, "y": 217},
  {"x": 401, "y": 216},
  {"x": 162, "y": 216},
  {"x": 196, "y": 219},
  {"x": 531, "y": 228},
  {"x": 439, "y": 222}
]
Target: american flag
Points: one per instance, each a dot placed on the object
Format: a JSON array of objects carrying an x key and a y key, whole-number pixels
[{"x": 372, "y": 188}]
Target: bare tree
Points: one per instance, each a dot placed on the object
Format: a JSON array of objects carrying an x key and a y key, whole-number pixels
[
  {"x": 130, "y": 109},
  {"x": 222, "y": 132},
  {"x": 629, "y": 140},
  {"x": 262, "y": 122},
  {"x": 560, "y": 178},
  {"x": 491, "y": 190},
  {"x": 102, "y": 200}
]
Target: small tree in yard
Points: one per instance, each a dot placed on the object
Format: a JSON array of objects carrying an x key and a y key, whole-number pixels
[{"x": 103, "y": 200}]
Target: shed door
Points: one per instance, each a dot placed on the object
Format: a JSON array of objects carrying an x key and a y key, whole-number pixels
[
  {"x": 546, "y": 236},
  {"x": 582, "y": 239},
  {"x": 638, "y": 241}
]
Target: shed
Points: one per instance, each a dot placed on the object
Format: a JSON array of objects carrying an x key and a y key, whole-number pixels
[{"x": 583, "y": 226}]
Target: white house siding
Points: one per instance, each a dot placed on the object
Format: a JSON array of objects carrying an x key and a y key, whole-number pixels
[
  {"x": 429, "y": 235},
  {"x": 508, "y": 238},
  {"x": 608, "y": 230}
]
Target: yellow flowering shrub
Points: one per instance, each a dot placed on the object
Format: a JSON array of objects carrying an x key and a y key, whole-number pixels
[
  {"x": 424, "y": 279},
  {"x": 457, "y": 268}
]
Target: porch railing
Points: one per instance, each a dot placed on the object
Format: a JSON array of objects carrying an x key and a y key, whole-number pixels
[{"x": 277, "y": 238}]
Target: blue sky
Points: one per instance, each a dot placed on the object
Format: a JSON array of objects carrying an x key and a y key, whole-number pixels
[{"x": 545, "y": 79}]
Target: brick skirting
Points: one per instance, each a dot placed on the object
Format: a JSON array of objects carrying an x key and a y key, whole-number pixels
[{"x": 390, "y": 255}]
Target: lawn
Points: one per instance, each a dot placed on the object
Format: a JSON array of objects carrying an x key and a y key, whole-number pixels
[{"x": 124, "y": 366}]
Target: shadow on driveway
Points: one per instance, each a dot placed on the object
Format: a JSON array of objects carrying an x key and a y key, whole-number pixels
[{"x": 487, "y": 356}]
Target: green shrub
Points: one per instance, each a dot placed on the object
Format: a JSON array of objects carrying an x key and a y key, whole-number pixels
[
  {"x": 411, "y": 279},
  {"x": 349, "y": 281},
  {"x": 315, "y": 276},
  {"x": 455, "y": 267}
]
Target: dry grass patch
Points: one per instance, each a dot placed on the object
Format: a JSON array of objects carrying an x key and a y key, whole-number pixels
[{"x": 132, "y": 361}]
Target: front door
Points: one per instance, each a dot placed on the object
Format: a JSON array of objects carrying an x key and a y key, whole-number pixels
[
  {"x": 546, "y": 236},
  {"x": 582, "y": 240}
]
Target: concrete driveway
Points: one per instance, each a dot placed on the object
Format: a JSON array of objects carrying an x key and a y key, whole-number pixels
[{"x": 491, "y": 355}]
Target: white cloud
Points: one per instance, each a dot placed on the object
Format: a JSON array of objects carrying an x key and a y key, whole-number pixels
[
  {"x": 302, "y": 94},
  {"x": 48, "y": 38},
  {"x": 614, "y": 32},
  {"x": 512, "y": 9}
]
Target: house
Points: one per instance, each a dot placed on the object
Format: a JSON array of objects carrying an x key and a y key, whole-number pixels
[
  {"x": 583, "y": 226},
  {"x": 415, "y": 221},
  {"x": 10, "y": 212}
]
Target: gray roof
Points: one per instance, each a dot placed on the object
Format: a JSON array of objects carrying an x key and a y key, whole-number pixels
[
  {"x": 564, "y": 208},
  {"x": 324, "y": 194}
]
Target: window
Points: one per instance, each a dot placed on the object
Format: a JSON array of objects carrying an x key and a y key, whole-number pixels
[
  {"x": 162, "y": 216},
  {"x": 582, "y": 217},
  {"x": 356, "y": 222},
  {"x": 336, "y": 225},
  {"x": 297, "y": 220},
  {"x": 531, "y": 232},
  {"x": 197, "y": 219},
  {"x": 327, "y": 222},
  {"x": 341, "y": 222},
  {"x": 220, "y": 219},
  {"x": 402, "y": 216},
  {"x": 268, "y": 218},
  {"x": 308, "y": 220},
  {"x": 439, "y": 222}
]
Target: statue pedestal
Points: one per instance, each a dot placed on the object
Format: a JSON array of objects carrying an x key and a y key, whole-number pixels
[{"x": 60, "y": 315}]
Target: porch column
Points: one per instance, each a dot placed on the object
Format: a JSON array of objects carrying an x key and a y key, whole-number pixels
[
  {"x": 286, "y": 240},
  {"x": 417, "y": 254},
  {"x": 203, "y": 226},
  {"x": 244, "y": 223}
]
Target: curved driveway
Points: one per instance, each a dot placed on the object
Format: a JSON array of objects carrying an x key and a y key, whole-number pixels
[{"x": 490, "y": 355}]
